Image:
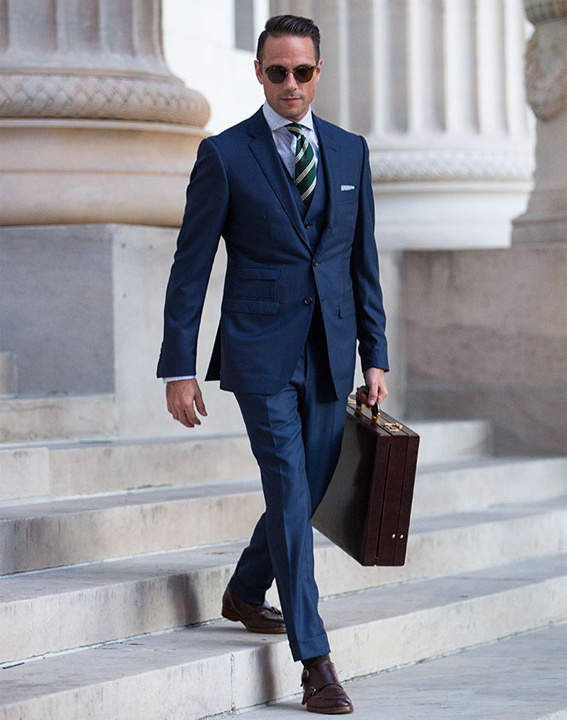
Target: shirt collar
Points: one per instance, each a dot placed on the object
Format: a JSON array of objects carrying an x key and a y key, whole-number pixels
[{"x": 276, "y": 121}]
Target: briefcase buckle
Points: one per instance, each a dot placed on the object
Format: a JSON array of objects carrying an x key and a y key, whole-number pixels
[{"x": 393, "y": 426}]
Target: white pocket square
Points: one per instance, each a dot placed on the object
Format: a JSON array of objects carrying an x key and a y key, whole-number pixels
[{"x": 347, "y": 187}]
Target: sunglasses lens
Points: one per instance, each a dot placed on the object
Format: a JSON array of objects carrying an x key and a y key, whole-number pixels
[
  {"x": 303, "y": 73},
  {"x": 276, "y": 74}
]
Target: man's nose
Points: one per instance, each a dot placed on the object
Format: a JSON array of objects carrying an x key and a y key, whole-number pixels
[{"x": 290, "y": 83}]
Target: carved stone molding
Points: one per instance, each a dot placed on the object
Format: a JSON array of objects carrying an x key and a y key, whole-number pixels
[
  {"x": 540, "y": 11},
  {"x": 546, "y": 89},
  {"x": 99, "y": 97},
  {"x": 435, "y": 166},
  {"x": 546, "y": 58}
]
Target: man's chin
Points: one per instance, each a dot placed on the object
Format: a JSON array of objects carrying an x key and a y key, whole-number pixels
[{"x": 292, "y": 112}]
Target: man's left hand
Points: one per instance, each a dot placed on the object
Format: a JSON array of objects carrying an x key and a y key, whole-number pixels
[{"x": 375, "y": 378}]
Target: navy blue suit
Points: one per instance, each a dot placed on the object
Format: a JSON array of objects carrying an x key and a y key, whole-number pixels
[{"x": 300, "y": 288}]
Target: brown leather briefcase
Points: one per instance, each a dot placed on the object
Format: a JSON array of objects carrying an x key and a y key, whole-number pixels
[{"x": 366, "y": 509}]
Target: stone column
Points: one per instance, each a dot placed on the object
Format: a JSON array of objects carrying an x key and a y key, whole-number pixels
[
  {"x": 546, "y": 82},
  {"x": 94, "y": 126},
  {"x": 487, "y": 329},
  {"x": 436, "y": 88},
  {"x": 97, "y": 141}
]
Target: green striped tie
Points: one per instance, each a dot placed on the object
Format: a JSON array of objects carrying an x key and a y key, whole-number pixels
[{"x": 305, "y": 164}]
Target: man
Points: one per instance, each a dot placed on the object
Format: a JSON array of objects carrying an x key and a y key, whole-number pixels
[{"x": 291, "y": 196}]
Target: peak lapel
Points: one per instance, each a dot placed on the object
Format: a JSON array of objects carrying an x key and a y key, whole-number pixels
[
  {"x": 266, "y": 154},
  {"x": 329, "y": 153}
]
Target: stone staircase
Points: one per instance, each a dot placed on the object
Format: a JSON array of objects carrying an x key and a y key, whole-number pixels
[{"x": 114, "y": 553}]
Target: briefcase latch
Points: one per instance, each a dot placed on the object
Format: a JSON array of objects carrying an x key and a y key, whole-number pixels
[{"x": 393, "y": 426}]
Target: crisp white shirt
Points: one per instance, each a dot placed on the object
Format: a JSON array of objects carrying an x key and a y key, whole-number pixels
[
  {"x": 285, "y": 140},
  {"x": 285, "y": 145}
]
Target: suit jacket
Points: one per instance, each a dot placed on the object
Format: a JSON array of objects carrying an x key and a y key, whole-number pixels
[{"x": 238, "y": 190}]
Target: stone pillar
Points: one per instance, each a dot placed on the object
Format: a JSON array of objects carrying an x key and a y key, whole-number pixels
[
  {"x": 546, "y": 82},
  {"x": 487, "y": 329},
  {"x": 451, "y": 150},
  {"x": 436, "y": 87},
  {"x": 94, "y": 126},
  {"x": 97, "y": 141}
]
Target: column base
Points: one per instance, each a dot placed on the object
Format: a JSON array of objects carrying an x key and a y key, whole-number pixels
[
  {"x": 447, "y": 216},
  {"x": 83, "y": 312},
  {"x": 95, "y": 171}
]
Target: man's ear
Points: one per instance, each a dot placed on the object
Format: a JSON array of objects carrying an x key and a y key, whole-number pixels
[{"x": 259, "y": 75}]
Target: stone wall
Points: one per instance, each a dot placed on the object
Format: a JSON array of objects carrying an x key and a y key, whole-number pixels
[{"x": 486, "y": 338}]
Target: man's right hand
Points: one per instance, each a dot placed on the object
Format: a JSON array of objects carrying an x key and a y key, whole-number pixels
[{"x": 183, "y": 396}]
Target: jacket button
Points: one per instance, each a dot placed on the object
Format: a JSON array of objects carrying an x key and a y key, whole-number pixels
[
  {"x": 315, "y": 262},
  {"x": 307, "y": 225},
  {"x": 308, "y": 300}
]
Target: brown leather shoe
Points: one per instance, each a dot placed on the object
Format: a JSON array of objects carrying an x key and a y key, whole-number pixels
[
  {"x": 322, "y": 691},
  {"x": 255, "y": 618}
]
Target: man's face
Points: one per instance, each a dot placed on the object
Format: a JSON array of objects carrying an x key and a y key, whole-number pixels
[{"x": 290, "y": 99}]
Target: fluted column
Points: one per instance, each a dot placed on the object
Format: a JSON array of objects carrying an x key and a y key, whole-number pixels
[
  {"x": 546, "y": 83},
  {"x": 436, "y": 87},
  {"x": 95, "y": 128}
]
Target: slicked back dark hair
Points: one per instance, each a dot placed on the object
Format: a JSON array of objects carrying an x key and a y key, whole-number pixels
[{"x": 281, "y": 25}]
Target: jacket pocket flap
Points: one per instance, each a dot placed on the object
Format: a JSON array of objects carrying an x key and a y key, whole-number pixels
[
  {"x": 347, "y": 308},
  {"x": 258, "y": 273},
  {"x": 250, "y": 305}
]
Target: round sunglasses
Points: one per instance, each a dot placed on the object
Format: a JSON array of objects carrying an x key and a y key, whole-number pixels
[{"x": 277, "y": 73}]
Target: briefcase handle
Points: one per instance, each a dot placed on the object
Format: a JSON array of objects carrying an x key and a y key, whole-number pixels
[{"x": 376, "y": 409}]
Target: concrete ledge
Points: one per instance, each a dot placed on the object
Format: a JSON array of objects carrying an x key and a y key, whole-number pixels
[
  {"x": 88, "y": 466},
  {"x": 191, "y": 673},
  {"x": 61, "y": 532},
  {"x": 94, "y": 528},
  {"x": 65, "y": 608},
  {"x": 45, "y": 418},
  {"x": 24, "y": 472}
]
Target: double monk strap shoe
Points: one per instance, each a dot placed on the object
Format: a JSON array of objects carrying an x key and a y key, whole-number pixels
[
  {"x": 255, "y": 618},
  {"x": 322, "y": 691}
]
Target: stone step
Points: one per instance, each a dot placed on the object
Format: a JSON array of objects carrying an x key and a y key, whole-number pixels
[
  {"x": 191, "y": 673},
  {"x": 60, "y": 468},
  {"x": 61, "y": 532},
  {"x": 82, "y": 467},
  {"x": 517, "y": 678},
  {"x": 451, "y": 439},
  {"x": 84, "y": 529},
  {"x": 32, "y": 419},
  {"x": 8, "y": 377},
  {"x": 65, "y": 608}
]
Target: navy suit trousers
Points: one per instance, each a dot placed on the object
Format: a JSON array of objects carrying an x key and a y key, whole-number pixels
[{"x": 296, "y": 438}]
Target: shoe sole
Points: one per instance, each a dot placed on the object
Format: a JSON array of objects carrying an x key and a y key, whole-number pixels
[
  {"x": 331, "y": 711},
  {"x": 229, "y": 615}
]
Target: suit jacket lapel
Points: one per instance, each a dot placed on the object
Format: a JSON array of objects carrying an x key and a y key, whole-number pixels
[
  {"x": 266, "y": 154},
  {"x": 328, "y": 152}
]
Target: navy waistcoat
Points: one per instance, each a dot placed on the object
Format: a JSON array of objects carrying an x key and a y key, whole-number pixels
[{"x": 316, "y": 214}]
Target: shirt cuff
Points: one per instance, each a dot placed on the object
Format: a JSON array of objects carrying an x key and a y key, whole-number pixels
[{"x": 181, "y": 377}]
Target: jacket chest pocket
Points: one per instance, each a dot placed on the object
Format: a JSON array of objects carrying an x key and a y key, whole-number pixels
[{"x": 254, "y": 283}]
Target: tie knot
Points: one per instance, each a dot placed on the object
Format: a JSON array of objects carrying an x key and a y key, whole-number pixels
[{"x": 295, "y": 128}]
